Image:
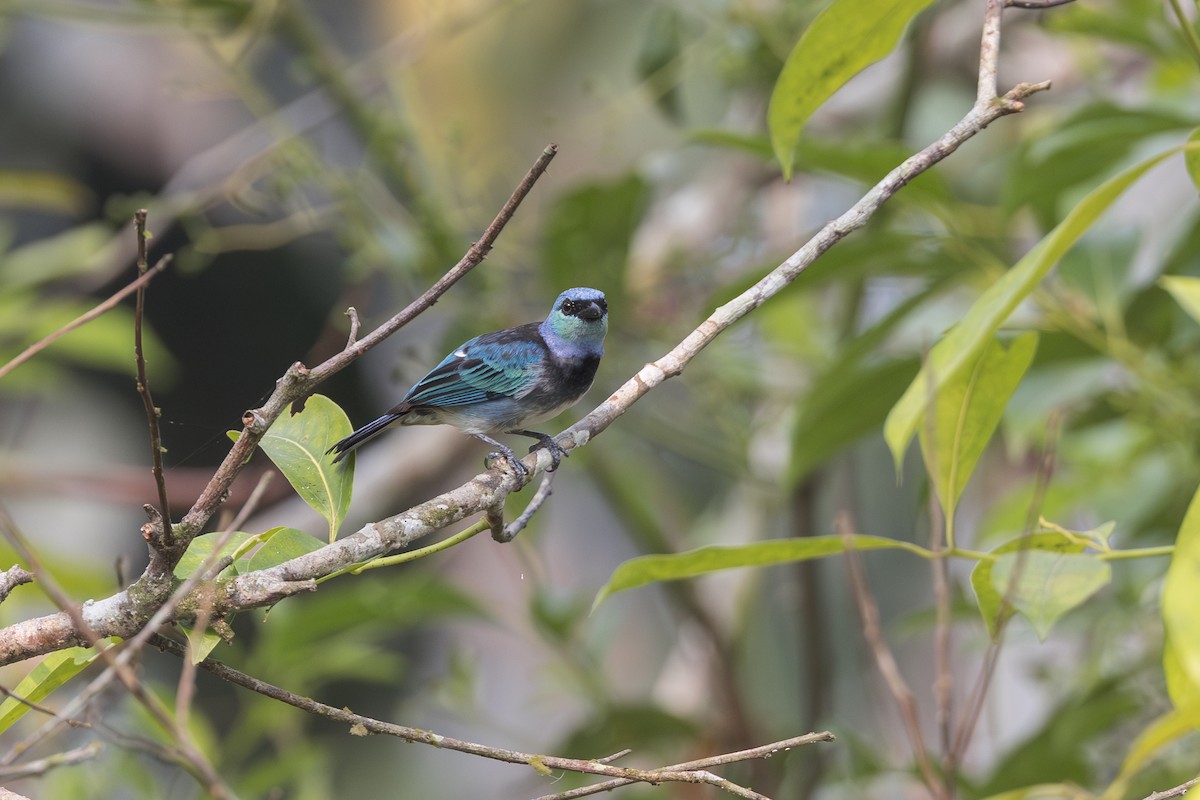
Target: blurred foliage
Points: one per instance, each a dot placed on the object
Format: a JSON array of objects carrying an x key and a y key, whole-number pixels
[{"x": 1031, "y": 299}]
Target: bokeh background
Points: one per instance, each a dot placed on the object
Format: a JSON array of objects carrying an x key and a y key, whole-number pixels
[{"x": 297, "y": 158}]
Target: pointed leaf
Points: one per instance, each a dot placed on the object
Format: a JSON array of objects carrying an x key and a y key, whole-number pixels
[
  {"x": 297, "y": 444},
  {"x": 1043, "y": 585},
  {"x": 966, "y": 412},
  {"x": 844, "y": 38},
  {"x": 282, "y": 544},
  {"x": 991, "y": 600},
  {"x": 201, "y": 548},
  {"x": 53, "y": 671},
  {"x": 961, "y": 346},
  {"x": 675, "y": 566},
  {"x": 1181, "y": 599}
]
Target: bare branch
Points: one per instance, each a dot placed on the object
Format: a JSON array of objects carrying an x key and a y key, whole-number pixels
[
  {"x": 1178, "y": 791},
  {"x": 11, "y": 578},
  {"x": 868, "y": 612},
  {"x": 506, "y": 533},
  {"x": 694, "y": 772},
  {"x": 765, "y": 751},
  {"x": 143, "y": 387},
  {"x": 31, "y": 769},
  {"x": 1035, "y": 4}
]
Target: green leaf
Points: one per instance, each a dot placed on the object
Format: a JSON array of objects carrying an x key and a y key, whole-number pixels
[
  {"x": 53, "y": 671},
  {"x": 1183, "y": 691},
  {"x": 676, "y": 566},
  {"x": 1191, "y": 157},
  {"x": 844, "y": 38},
  {"x": 958, "y": 350},
  {"x": 1044, "y": 586},
  {"x": 966, "y": 412},
  {"x": 201, "y": 548},
  {"x": 1186, "y": 292},
  {"x": 282, "y": 544},
  {"x": 1181, "y": 599},
  {"x": 297, "y": 444},
  {"x": 991, "y": 600}
]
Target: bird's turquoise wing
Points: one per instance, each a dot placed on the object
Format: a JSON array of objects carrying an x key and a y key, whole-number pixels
[{"x": 481, "y": 370}]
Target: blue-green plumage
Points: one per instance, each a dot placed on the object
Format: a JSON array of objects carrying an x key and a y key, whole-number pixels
[{"x": 501, "y": 381}]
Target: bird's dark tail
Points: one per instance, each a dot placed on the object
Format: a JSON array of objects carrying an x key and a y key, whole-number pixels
[{"x": 363, "y": 435}]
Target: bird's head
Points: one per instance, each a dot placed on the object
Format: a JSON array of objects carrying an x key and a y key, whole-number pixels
[{"x": 579, "y": 316}]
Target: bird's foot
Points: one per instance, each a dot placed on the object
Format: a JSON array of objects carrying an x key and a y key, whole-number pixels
[
  {"x": 557, "y": 452},
  {"x": 511, "y": 457}
]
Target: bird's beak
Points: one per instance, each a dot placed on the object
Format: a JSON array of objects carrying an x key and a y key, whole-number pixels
[{"x": 591, "y": 313}]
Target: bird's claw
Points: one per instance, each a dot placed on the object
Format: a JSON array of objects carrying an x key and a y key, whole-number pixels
[
  {"x": 557, "y": 452},
  {"x": 517, "y": 465}
]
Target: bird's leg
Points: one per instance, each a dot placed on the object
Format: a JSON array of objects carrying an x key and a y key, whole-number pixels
[
  {"x": 557, "y": 453},
  {"x": 502, "y": 450}
]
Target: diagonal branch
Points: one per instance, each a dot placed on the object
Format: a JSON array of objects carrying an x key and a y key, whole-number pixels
[
  {"x": 691, "y": 772},
  {"x": 121, "y": 615}
]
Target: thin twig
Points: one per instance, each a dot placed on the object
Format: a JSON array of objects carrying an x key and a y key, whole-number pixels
[
  {"x": 1035, "y": 4},
  {"x": 41, "y": 766},
  {"x": 1045, "y": 472},
  {"x": 50, "y": 712},
  {"x": 143, "y": 384},
  {"x": 1178, "y": 791},
  {"x": 352, "y": 313},
  {"x": 369, "y": 725},
  {"x": 765, "y": 751},
  {"x": 885, "y": 661},
  {"x": 506, "y": 533},
  {"x": 84, "y": 318},
  {"x": 11, "y": 578},
  {"x": 251, "y": 504}
]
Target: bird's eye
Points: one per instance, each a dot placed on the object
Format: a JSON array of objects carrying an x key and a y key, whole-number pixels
[{"x": 568, "y": 307}]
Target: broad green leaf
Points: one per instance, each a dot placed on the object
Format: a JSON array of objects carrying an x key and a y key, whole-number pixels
[
  {"x": 960, "y": 347},
  {"x": 201, "y": 548},
  {"x": 1183, "y": 691},
  {"x": 282, "y": 544},
  {"x": 1186, "y": 291},
  {"x": 966, "y": 412},
  {"x": 1043, "y": 586},
  {"x": 1191, "y": 157},
  {"x": 52, "y": 672},
  {"x": 297, "y": 444},
  {"x": 1181, "y": 596},
  {"x": 844, "y": 38},
  {"x": 991, "y": 600},
  {"x": 203, "y": 642},
  {"x": 676, "y": 566}
]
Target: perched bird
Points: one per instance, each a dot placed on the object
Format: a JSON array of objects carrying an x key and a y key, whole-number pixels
[{"x": 502, "y": 381}]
